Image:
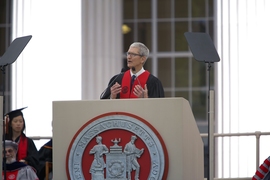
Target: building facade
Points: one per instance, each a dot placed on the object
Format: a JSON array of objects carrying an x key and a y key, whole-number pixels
[{"x": 78, "y": 47}]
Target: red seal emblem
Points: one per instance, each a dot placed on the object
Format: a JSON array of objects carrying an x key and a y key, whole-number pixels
[
  {"x": 116, "y": 146},
  {"x": 124, "y": 89}
]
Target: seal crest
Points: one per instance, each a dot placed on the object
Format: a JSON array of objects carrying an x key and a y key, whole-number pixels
[{"x": 117, "y": 146}]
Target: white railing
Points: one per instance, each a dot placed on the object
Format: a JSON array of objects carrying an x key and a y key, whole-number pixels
[
  {"x": 40, "y": 137},
  {"x": 257, "y": 134}
]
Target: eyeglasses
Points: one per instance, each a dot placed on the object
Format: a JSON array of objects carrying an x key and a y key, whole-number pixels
[
  {"x": 132, "y": 54},
  {"x": 8, "y": 151}
]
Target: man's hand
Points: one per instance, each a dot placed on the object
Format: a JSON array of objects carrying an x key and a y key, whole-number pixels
[
  {"x": 140, "y": 92},
  {"x": 115, "y": 89}
]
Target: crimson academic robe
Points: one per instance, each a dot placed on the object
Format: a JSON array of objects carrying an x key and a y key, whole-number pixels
[
  {"x": 154, "y": 86},
  {"x": 19, "y": 170}
]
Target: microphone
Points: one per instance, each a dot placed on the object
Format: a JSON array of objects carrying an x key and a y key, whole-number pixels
[{"x": 107, "y": 92}]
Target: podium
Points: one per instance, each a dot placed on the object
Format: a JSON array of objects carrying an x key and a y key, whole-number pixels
[{"x": 170, "y": 120}]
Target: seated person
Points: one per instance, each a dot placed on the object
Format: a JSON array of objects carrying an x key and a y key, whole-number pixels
[
  {"x": 16, "y": 170},
  {"x": 15, "y": 127},
  {"x": 263, "y": 172},
  {"x": 45, "y": 154}
]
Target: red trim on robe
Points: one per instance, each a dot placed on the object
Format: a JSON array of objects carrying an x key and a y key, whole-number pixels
[
  {"x": 262, "y": 170},
  {"x": 22, "y": 148},
  {"x": 11, "y": 175},
  {"x": 140, "y": 80}
]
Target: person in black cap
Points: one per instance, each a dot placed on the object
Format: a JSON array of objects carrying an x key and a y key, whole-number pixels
[
  {"x": 15, "y": 126},
  {"x": 15, "y": 169}
]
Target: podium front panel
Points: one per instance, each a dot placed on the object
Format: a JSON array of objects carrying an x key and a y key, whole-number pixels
[{"x": 171, "y": 117}]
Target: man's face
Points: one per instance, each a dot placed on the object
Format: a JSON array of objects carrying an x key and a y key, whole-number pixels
[
  {"x": 10, "y": 154},
  {"x": 134, "y": 59}
]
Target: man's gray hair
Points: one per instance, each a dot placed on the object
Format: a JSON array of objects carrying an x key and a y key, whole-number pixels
[
  {"x": 143, "y": 50},
  {"x": 12, "y": 144}
]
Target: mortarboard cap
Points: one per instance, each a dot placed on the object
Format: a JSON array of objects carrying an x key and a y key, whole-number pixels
[
  {"x": 15, "y": 113},
  {"x": 12, "y": 144}
]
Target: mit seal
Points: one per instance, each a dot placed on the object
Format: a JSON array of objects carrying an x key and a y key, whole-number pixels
[{"x": 117, "y": 146}]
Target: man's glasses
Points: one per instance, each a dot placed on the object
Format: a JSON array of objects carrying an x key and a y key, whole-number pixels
[
  {"x": 9, "y": 151},
  {"x": 132, "y": 54}
]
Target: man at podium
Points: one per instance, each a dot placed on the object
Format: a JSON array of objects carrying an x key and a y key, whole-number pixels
[{"x": 135, "y": 82}]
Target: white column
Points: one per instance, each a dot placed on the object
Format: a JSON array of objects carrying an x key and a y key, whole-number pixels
[
  {"x": 242, "y": 83},
  {"x": 101, "y": 45}
]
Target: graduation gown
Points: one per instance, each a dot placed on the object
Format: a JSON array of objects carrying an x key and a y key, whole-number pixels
[
  {"x": 27, "y": 150},
  {"x": 154, "y": 85},
  {"x": 45, "y": 154},
  {"x": 18, "y": 171}
]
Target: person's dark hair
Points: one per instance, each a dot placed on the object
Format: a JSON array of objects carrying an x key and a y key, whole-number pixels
[{"x": 9, "y": 132}]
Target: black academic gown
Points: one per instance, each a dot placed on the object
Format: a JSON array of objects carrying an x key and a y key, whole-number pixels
[
  {"x": 45, "y": 154},
  {"x": 154, "y": 86},
  {"x": 32, "y": 153}
]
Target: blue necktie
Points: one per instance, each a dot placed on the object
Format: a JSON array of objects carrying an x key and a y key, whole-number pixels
[{"x": 132, "y": 81}]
